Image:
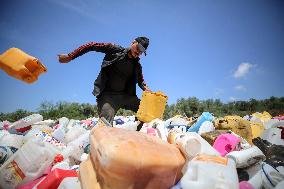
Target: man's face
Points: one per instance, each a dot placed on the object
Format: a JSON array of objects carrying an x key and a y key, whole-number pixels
[{"x": 135, "y": 50}]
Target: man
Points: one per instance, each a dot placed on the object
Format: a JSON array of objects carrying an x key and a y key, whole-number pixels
[{"x": 115, "y": 86}]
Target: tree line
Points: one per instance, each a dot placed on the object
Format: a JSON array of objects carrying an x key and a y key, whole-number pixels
[{"x": 188, "y": 107}]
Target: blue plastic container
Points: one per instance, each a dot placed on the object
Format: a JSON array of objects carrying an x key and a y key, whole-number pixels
[{"x": 205, "y": 116}]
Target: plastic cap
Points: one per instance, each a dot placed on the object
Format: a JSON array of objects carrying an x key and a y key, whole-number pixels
[{"x": 58, "y": 158}]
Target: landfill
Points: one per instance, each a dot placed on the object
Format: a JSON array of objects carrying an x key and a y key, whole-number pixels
[
  {"x": 197, "y": 152},
  {"x": 178, "y": 153}
]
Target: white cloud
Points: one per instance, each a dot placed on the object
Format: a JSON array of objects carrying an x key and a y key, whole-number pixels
[
  {"x": 240, "y": 88},
  {"x": 243, "y": 69},
  {"x": 232, "y": 98}
]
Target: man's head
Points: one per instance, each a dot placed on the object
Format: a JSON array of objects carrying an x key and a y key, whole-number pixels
[{"x": 139, "y": 46}]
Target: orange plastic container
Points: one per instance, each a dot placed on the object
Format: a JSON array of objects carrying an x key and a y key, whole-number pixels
[
  {"x": 126, "y": 159},
  {"x": 152, "y": 106},
  {"x": 20, "y": 65}
]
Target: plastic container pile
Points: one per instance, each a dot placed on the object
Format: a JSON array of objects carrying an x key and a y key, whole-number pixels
[{"x": 178, "y": 153}]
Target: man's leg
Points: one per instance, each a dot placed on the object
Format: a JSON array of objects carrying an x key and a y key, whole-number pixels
[
  {"x": 107, "y": 108},
  {"x": 132, "y": 103}
]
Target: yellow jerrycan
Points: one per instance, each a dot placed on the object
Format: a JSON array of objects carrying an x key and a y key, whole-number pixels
[
  {"x": 152, "y": 106},
  {"x": 20, "y": 65}
]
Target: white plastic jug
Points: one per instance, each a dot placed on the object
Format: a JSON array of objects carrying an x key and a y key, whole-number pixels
[
  {"x": 247, "y": 157},
  {"x": 130, "y": 125},
  {"x": 28, "y": 163},
  {"x": 214, "y": 172},
  {"x": 12, "y": 140},
  {"x": 205, "y": 127},
  {"x": 45, "y": 125},
  {"x": 273, "y": 123},
  {"x": 71, "y": 123},
  {"x": 62, "y": 165},
  {"x": 75, "y": 148},
  {"x": 63, "y": 121},
  {"x": 273, "y": 135},
  {"x": 74, "y": 133},
  {"x": 70, "y": 182},
  {"x": 268, "y": 177},
  {"x": 31, "y": 134},
  {"x": 26, "y": 121},
  {"x": 162, "y": 132},
  {"x": 191, "y": 144},
  {"x": 59, "y": 133},
  {"x": 280, "y": 185}
]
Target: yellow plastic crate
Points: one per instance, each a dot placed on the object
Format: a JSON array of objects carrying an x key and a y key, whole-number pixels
[
  {"x": 20, "y": 65},
  {"x": 152, "y": 106}
]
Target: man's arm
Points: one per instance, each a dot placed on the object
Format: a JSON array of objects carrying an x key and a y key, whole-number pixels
[
  {"x": 92, "y": 46},
  {"x": 141, "y": 82}
]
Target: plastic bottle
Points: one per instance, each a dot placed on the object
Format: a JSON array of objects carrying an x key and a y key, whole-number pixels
[
  {"x": 152, "y": 106},
  {"x": 268, "y": 177},
  {"x": 70, "y": 182},
  {"x": 162, "y": 132},
  {"x": 280, "y": 185},
  {"x": 205, "y": 116},
  {"x": 59, "y": 133},
  {"x": 60, "y": 163},
  {"x": 74, "y": 133},
  {"x": 214, "y": 172},
  {"x": 11, "y": 140},
  {"x": 71, "y": 124},
  {"x": 63, "y": 121},
  {"x": 151, "y": 131},
  {"x": 247, "y": 157},
  {"x": 26, "y": 121},
  {"x": 273, "y": 135},
  {"x": 226, "y": 143},
  {"x": 269, "y": 124},
  {"x": 28, "y": 163},
  {"x": 246, "y": 185},
  {"x": 75, "y": 148},
  {"x": 205, "y": 127},
  {"x": 191, "y": 144},
  {"x": 132, "y": 126}
]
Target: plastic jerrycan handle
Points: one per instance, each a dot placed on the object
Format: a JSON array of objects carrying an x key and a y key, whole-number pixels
[
  {"x": 40, "y": 68},
  {"x": 28, "y": 75}
]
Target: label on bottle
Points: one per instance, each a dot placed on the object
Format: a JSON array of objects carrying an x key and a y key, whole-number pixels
[{"x": 12, "y": 174}]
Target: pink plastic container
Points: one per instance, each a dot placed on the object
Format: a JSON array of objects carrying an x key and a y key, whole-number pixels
[
  {"x": 246, "y": 185},
  {"x": 279, "y": 117},
  {"x": 151, "y": 131},
  {"x": 226, "y": 143}
]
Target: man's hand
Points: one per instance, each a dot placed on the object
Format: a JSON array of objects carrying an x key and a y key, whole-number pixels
[
  {"x": 64, "y": 58},
  {"x": 147, "y": 89}
]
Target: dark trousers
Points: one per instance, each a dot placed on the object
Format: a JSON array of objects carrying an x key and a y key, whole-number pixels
[{"x": 109, "y": 104}]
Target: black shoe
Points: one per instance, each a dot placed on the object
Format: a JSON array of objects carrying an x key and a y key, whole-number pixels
[{"x": 139, "y": 126}]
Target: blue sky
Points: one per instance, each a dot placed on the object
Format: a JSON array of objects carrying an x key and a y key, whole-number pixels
[{"x": 231, "y": 50}]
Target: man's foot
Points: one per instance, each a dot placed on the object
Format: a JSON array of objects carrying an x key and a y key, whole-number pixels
[{"x": 139, "y": 126}]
